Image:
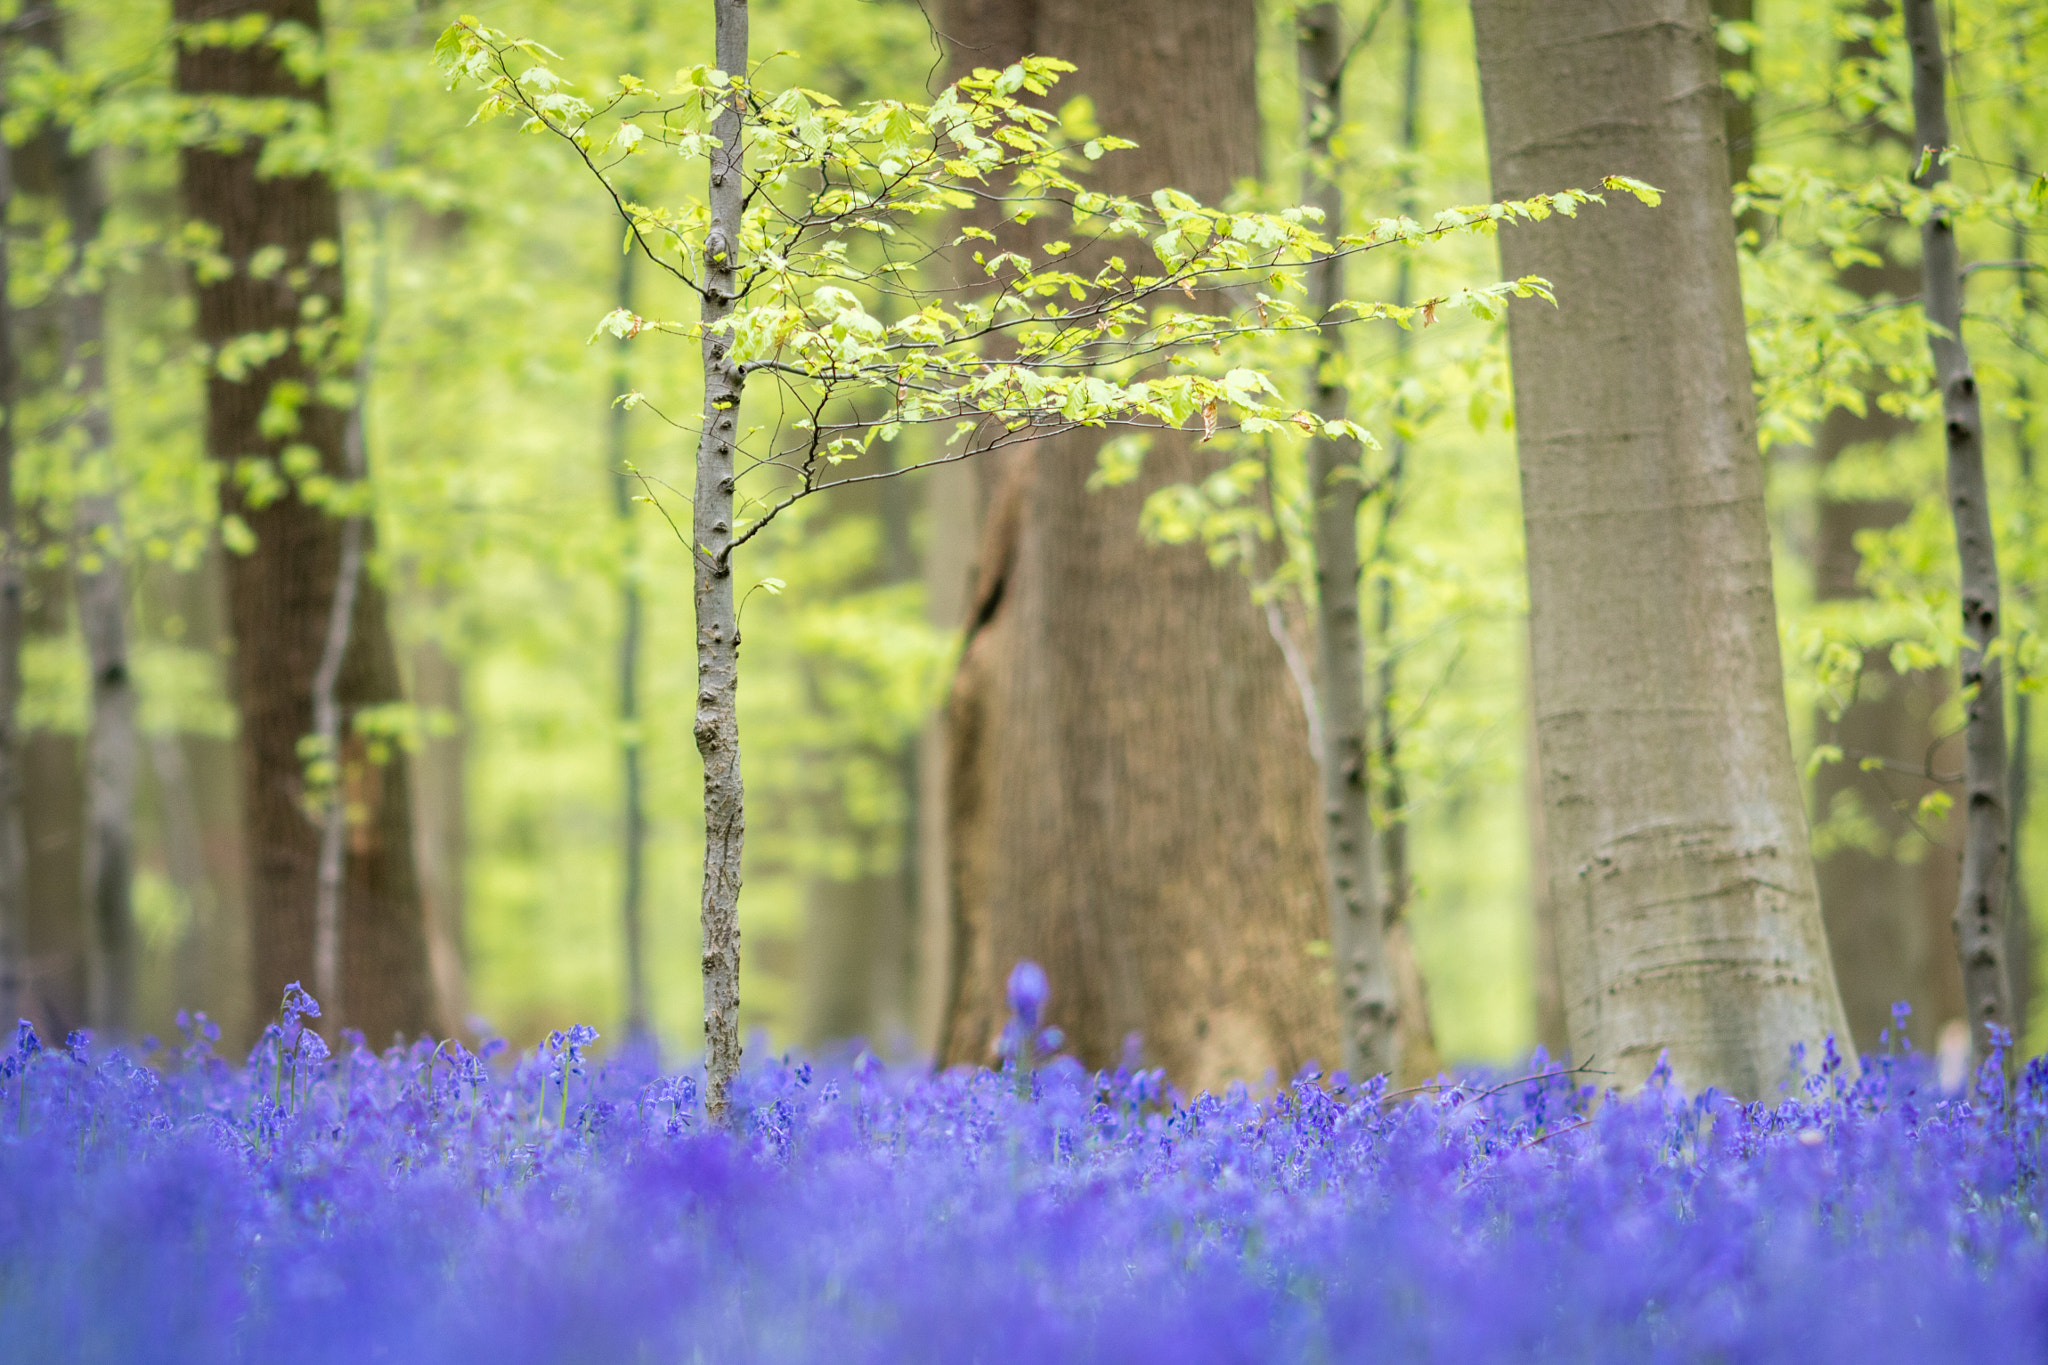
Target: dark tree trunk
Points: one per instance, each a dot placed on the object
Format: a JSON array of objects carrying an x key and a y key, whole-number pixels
[
  {"x": 280, "y": 277},
  {"x": 1132, "y": 799}
]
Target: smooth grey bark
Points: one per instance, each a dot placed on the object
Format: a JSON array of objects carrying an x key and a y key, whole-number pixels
[
  {"x": 13, "y": 842},
  {"x": 1367, "y": 1012},
  {"x": 718, "y": 637},
  {"x": 632, "y": 801},
  {"x": 1987, "y": 832},
  {"x": 1688, "y": 920},
  {"x": 100, "y": 586}
]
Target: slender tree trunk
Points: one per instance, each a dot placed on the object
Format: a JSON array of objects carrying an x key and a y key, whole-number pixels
[
  {"x": 1367, "y": 1011},
  {"x": 1132, "y": 799},
  {"x": 2018, "y": 909},
  {"x": 1987, "y": 831},
  {"x": 279, "y": 240},
  {"x": 101, "y": 589},
  {"x": 633, "y": 813},
  {"x": 1677, "y": 844},
  {"x": 14, "y": 905},
  {"x": 718, "y": 635}
]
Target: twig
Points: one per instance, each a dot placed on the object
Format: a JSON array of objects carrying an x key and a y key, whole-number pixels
[{"x": 1585, "y": 1068}]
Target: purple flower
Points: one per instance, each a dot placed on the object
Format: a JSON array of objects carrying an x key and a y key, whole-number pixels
[
  {"x": 297, "y": 1005},
  {"x": 1027, "y": 991},
  {"x": 311, "y": 1047}
]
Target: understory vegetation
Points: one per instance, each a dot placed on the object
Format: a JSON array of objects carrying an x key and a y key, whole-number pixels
[{"x": 431, "y": 1203}]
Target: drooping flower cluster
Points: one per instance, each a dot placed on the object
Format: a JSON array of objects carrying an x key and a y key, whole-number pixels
[{"x": 433, "y": 1204}]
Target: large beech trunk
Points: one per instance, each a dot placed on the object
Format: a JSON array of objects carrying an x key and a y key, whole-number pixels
[
  {"x": 1132, "y": 797},
  {"x": 280, "y": 237},
  {"x": 1688, "y": 921}
]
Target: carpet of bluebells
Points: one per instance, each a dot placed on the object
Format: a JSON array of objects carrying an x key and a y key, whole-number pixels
[{"x": 433, "y": 1204}]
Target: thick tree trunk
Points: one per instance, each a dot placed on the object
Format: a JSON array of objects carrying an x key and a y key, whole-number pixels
[
  {"x": 270, "y": 315},
  {"x": 1677, "y": 844},
  {"x": 14, "y": 904},
  {"x": 718, "y": 635},
  {"x": 1132, "y": 798},
  {"x": 1987, "y": 831}
]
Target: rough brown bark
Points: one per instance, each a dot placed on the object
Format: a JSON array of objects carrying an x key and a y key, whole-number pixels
[
  {"x": 1987, "y": 830},
  {"x": 1677, "y": 843},
  {"x": 1132, "y": 800},
  {"x": 279, "y": 237}
]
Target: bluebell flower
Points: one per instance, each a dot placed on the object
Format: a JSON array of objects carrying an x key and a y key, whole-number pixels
[
  {"x": 1027, "y": 991},
  {"x": 297, "y": 1005}
]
